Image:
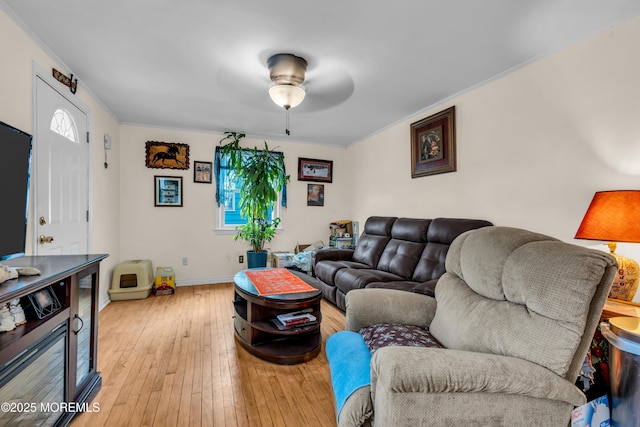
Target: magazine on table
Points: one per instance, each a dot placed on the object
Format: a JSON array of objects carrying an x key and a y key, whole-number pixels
[{"x": 296, "y": 318}]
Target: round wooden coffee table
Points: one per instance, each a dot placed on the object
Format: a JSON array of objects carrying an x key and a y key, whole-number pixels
[{"x": 256, "y": 330}]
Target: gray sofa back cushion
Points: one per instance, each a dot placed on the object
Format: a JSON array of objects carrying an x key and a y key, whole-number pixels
[
  {"x": 505, "y": 286},
  {"x": 376, "y": 235}
]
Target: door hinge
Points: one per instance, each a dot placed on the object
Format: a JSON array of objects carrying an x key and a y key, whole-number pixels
[
  {"x": 87, "y": 215},
  {"x": 87, "y": 137}
]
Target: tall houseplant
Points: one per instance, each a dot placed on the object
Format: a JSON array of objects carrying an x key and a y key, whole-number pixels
[{"x": 262, "y": 176}]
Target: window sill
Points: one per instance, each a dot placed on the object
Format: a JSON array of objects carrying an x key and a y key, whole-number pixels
[
  {"x": 232, "y": 231},
  {"x": 224, "y": 231}
]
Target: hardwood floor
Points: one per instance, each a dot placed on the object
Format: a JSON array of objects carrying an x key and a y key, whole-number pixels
[{"x": 173, "y": 361}]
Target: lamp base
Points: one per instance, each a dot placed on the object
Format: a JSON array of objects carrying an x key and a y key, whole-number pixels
[{"x": 625, "y": 283}]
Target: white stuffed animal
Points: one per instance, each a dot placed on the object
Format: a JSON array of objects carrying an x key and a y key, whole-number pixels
[
  {"x": 6, "y": 320},
  {"x": 7, "y": 273}
]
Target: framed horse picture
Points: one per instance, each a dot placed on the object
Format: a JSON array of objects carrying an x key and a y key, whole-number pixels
[{"x": 167, "y": 155}]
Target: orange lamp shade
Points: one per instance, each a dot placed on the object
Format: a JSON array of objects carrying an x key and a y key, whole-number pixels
[{"x": 613, "y": 216}]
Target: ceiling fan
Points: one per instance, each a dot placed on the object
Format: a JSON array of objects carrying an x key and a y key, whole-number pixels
[
  {"x": 288, "y": 78},
  {"x": 287, "y": 72}
]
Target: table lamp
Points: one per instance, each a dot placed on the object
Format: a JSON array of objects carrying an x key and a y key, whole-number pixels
[{"x": 614, "y": 216}]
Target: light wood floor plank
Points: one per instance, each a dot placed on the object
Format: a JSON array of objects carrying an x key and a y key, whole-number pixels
[{"x": 173, "y": 361}]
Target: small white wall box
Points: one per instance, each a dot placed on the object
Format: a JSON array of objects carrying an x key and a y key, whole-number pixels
[{"x": 132, "y": 280}]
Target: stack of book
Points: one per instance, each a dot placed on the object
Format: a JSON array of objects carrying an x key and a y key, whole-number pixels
[{"x": 298, "y": 318}]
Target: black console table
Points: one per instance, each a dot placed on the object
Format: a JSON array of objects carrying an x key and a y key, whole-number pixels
[{"x": 48, "y": 366}]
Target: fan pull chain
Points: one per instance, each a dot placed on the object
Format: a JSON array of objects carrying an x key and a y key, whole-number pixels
[{"x": 287, "y": 122}]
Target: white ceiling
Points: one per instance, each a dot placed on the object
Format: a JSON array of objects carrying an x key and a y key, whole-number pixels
[{"x": 201, "y": 64}]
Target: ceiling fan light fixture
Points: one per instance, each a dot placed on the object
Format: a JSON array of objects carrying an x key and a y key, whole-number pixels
[{"x": 287, "y": 96}]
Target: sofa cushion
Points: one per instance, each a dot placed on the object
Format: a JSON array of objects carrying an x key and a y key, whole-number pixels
[
  {"x": 385, "y": 335},
  {"x": 376, "y": 235},
  {"x": 504, "y": 290},
  {"x": 379, "y": 225},
  {"x": 410, "y": 229},
  {"x": 401, "y": 254},
  {"x": 441, "y": 233},
  {"x": 445, "y": 230},
  {"x": 430, "y": 265},
  {"x": 400, "y": 257},
  {"x": 369, "y": 249},
  {"x": 425, "y": 288},
  {"x": 352, "y": 278},
  {"x": 326, "y": 270}
]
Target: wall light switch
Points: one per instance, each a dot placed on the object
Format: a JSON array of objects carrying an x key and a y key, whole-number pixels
[{"x": 107, "y": 141}]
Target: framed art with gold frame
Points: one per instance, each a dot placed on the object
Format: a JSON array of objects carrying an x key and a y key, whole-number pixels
[
  {"x": 166, "y": 155},
  {"x": 433, "y": 144}
]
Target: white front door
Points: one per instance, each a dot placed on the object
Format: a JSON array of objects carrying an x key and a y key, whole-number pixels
[{"x": 61, "y": 174}]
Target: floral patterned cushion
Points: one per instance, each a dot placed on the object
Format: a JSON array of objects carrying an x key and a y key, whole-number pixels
[{"x": 383, "y": 335}]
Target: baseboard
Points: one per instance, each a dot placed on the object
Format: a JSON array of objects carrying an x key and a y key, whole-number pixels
[
  {"x": 105, "y": 300},
  {"x": 204, "y": 280}
]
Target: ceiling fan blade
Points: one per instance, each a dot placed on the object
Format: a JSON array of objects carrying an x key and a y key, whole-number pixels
[
  {"x": 244, "y": 87},
  {"x": 326, "y": 89}
]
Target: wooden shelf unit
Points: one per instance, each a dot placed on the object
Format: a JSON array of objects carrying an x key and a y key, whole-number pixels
[
  {"x": 255, "y": 330},
  {"x": 75, "y": 281}
]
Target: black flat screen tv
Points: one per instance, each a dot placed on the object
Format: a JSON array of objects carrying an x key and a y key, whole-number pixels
[{"x": 15, "y": 171}]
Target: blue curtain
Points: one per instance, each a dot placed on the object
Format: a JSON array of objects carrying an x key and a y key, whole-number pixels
[{"x": 219, "y": 164}]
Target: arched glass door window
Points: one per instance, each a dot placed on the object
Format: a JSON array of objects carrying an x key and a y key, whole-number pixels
[{"x": 62, "y": 124}]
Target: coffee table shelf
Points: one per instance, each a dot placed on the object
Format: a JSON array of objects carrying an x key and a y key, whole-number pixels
[{"x": 256, "y": 332}]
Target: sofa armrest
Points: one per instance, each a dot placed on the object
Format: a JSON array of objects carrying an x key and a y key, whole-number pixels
[
  {"x": 365, "y": 307},
  {"x": 333, "y": 254},
  {"x": 432, "y": 370}
]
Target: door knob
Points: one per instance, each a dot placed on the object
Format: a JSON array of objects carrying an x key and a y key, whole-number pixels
[{"x": 46, "y": 239}]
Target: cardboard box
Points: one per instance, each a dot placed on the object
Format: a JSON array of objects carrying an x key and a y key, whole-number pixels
[
  {"x": 165, "y": 281},
  {"x": 592, "y": 414},
  {"x": 340, "y": 228},
  {"x": 300, "y": 248},
  {"x": 308, "y": 247},
  {"x": 281, "y": 259}
]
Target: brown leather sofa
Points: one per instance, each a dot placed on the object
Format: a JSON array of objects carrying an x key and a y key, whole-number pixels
[{"x": 395, "y": 253}]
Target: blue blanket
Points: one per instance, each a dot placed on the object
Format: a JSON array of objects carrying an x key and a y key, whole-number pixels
[{"x": 349, "y": 362}]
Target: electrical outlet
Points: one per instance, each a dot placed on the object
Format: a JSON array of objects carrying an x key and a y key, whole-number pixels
[
  {"x": 241, "y": 259},
  {"x": 185, "y": 261}
]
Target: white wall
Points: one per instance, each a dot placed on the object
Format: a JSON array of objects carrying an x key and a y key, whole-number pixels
[
  {"x": 167, "y": 234},
  {"x": 532, "y": 146},
  {"x": 18, "y": 53}
]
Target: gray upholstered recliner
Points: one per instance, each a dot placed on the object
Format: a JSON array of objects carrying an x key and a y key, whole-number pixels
[{"x": 516, "y": 312}]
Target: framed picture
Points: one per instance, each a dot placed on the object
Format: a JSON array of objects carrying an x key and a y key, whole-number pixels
[
  {"x": 433, "y": 144},
  {"x": 168, "y": 190},
  {"x": 315, "y": 194},
  {"x": 167, "y": 155},
  {"x": 202, "y": 172},
  {"x": 315, "y": 170}
]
